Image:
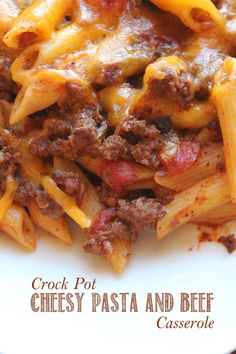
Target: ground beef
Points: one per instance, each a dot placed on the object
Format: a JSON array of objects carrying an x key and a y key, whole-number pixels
[
  {"x": 91, "y": 112},
  {"x": 48, "y": 206},
  {"x": 115, "y": 147},
  {"x": 58, "y": 127},
  {"x": 62, "y": 149},
  {"x": 175, "y": 87},
  {"x": 5, "y": 170},
  {"x": 8, "y": 146},
  {"x": 58, "y": 148},
  {"x": 40, "y": 147},
  {"x": 125, "y": 221},
  {"x": 140, "y": 128},
  {"x": 25, "y": 193},
  {"x": 7, "y": 85},
  {"x": 68, "y": 181},
  {"x": 140, "y": 214},
  {"x": 100, "y": 242},
  {"x": 84, "y": 138},
  {"x": 229, "y": 242},
  {"x": 146, "y": 152},
  {"x": 108, "y": 75}
]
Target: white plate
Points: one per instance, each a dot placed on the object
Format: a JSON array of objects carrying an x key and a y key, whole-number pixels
[{"x": 164, "y": 266}]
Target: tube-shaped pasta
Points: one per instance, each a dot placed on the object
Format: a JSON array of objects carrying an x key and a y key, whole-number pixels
[
  {"x": 121, "y": 253},
  {"x": 33, "y": 169},
  {"x": 8, "y": 13},
  {"x": 198, "y": 15},
  {"x": 223, "y": 96},
  {"x": 17, "y": 224},
  {"x": 217, "y": 216},
  {"x": 212, "y": 157},
  {"x": 36, "y": 23},
  {"x": 194, "y": 201},
  {"x": 64, "y": 41},
  {"x": 56, "y": 227},
  {"x": 7, "y": 198},
  {"x": 43, "y": 90},
  {"x": 68, "y": 204}
]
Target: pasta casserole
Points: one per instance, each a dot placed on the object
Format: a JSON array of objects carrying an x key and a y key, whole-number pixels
[{"x": 120, "y": 114}]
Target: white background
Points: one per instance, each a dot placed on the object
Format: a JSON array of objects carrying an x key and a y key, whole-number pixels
[{"x": 155, "y": 266}]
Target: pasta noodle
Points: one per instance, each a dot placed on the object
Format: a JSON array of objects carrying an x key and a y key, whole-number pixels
[
  {"x": 8, "y": 13},
  {"x": 212, "y": 158},
  {"x": 194, "y": 201},
  {"x": 17, "y": 224},
  {"x": 218, "y": 216},
  {"x": 198, "y": 15},
  {"x": 223, "y": 96},
  {"x": 36, "y": 23},
  {"x": 56, "y": 227},
  {"x": 46, "y": 88}
]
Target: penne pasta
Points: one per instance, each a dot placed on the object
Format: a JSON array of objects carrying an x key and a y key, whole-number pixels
[
  {"x": 223, "y": 96},
  {"x": 17, "y": 224},
  {"x": 56, "y": 227},
  {"x": 210, "y": 161},
  {"x": 43, "y": 90},
  {"x": 198, "y": 15},
  {"x": 194, "y": 201},
  {"x": 8, "y": 13},
  {"x": 36, "y": 23},
  {"x": 65, "y": 41},
  {"x": 217, "y": 216},
  {"x": 121, "y": 254}
]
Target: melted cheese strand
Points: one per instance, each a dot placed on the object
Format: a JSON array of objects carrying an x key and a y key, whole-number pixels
[
  {"x": 67, "y": 203},
  {"x": 7, "y": 198}
]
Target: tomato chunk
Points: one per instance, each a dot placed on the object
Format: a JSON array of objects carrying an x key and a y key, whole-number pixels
[
  {"x": 186, "y": 153},
  {"x": 102, "y": 218},
  {"x": 118, "y": 174}
]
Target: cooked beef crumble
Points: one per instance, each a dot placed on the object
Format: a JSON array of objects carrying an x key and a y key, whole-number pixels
[
  {"x": 84, "y": 138},
  {"x": 229, "y": 242},
  {"x": 178, "y": 88},
  {"x": 124, "y": 221}
]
